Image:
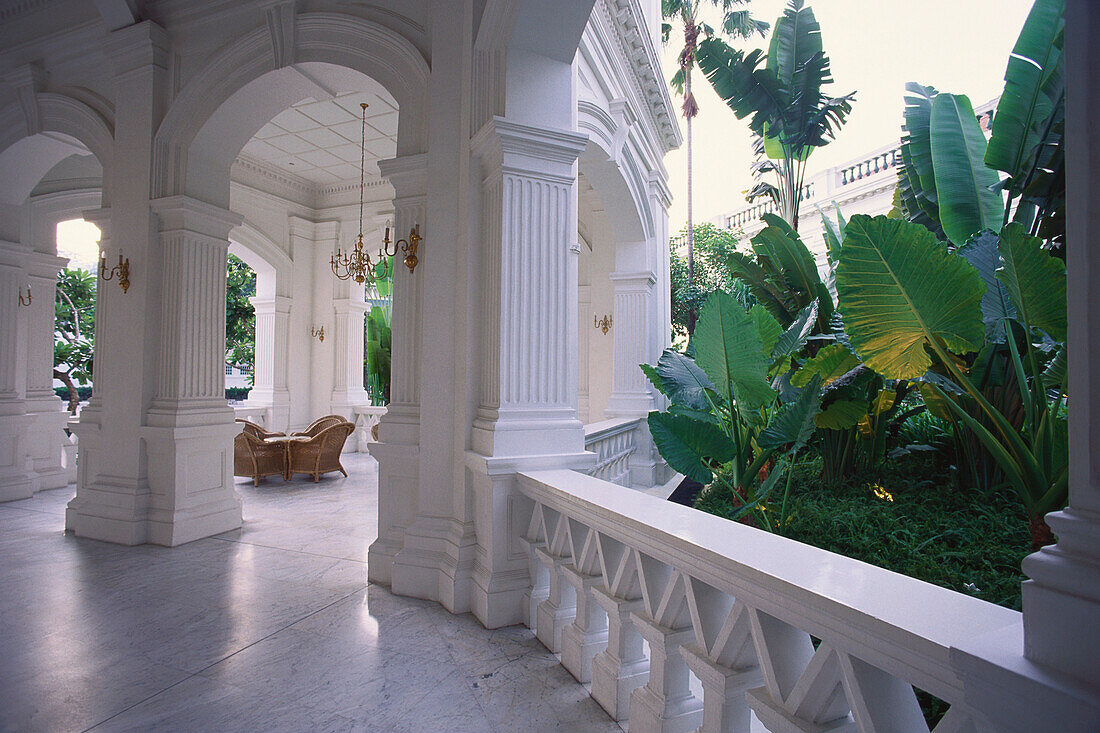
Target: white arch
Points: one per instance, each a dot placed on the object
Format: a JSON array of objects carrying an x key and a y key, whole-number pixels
[
  {"x": 264, "y": 256},
  {"x": 238, "y": 90},
  {"x": 608, "y": 163},
  {"x": 65, "y": 126}
]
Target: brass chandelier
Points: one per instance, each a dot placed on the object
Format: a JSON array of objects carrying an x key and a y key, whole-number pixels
[{"x": 357, "y": 264}]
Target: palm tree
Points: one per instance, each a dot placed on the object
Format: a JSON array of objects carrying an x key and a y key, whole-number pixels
[{"x": 737, "y": 23}]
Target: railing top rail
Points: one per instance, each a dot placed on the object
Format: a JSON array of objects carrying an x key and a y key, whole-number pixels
[
  {"x": 603, "y": 428},
  {"x": 369, "y": 409},
  {"x": 901, "y": 625}
]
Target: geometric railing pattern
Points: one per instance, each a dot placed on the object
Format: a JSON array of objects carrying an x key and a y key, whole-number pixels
[
  {"x": 613, "y": 443},
  {"x": 800, "y": 638}
]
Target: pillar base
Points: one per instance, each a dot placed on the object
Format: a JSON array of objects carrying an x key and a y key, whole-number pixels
[
  {"x": 16, "y": 482},
  {"x": 46, "y": 443},
  {"x": 665, "y": 704},
  {"x": 622, "y": 667}
]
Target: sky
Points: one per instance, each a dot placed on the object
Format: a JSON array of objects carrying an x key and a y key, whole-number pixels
[
  {"x": 79, "y": 241},
  {"x": 875, "y": 47}
]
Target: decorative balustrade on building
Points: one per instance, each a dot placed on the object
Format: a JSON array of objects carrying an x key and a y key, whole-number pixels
[
  {"x": 367, "y": 418},
  {"x": 878, "y": 163},
  {"x": 800, "y": 638},
  {"x": 613, "y": 443}
]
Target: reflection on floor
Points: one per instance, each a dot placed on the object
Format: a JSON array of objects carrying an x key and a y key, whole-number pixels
[{"x": 270, "y": 627}]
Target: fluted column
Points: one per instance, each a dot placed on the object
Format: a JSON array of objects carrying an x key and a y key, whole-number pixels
[
  {"x": 526, "y": 415},
  {"x": 189, "y": 433},
  {"x": 269, "y": 375},
  {"x": 15, "y": 481},
  {"x": 347, "y": 344},
  {"x": 398, "y": 448},
  {"x": 46, "y": 434}
]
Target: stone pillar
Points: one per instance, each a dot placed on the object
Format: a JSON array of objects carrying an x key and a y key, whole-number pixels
[
  {"x": 347, "y": 345},
  {"x": 622, "y": 667},
  {"x": 113, "y": 493},
  {"x": 398, "y": 449},
  {"x": 635, "y": 343},
  {"x": 16, "y": 481},
  {"x": 560, "y": 606},
  {"x": 269, "y": 380},
  {"x": 190, "y": 429},
  {"x": 584, "y": 335},
  {"x": 665, "y": 704},
  {"x": 46, "y": 437},
  {"x": 526, "y": 415}
]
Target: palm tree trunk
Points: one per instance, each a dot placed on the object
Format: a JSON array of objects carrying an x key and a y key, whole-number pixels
[{"x": 690, "y": 223}]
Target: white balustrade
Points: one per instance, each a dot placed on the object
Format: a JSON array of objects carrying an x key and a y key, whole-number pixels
[
  {"x": 613, "y": 443},
  {"x": 252, "y": 413},
  {"x": 800, "y": 638},
  {"x": 367, "y": 418}
]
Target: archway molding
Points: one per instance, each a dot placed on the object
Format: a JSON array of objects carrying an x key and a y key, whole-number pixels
[{"x": 211, "y": 119}]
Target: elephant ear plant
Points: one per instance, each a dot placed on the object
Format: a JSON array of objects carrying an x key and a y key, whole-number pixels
[
  {"x": 726, "y": 424},
  {"x": 913, "y": 310}
]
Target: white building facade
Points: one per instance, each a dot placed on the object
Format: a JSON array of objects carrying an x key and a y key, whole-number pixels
[{"x": 524, "y": 138}]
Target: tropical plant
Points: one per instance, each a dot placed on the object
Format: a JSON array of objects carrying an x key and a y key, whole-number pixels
[
  {"x": 726, "y": 423},
  {"x": 789, "y": 114},
  {"x": 736, "y": 22},
  {"x": 377, "y": 344},
  {"x": 240, "y": 316},
  {"x": 74, "y": 328},
  {"x": 913, "y": 310},
  {"x": 712, "y": 247}
]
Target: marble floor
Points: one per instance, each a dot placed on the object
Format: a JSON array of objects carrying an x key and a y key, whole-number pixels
[{"x": 271, "y": 627}]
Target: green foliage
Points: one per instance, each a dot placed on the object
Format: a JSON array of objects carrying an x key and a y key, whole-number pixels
[
  {"x": 74, "y": 330},
  {"x": 781, "y": 94},
  {"x": 968, "y": 541},
  {"x": 730, "y": 349},
  {"x": 964, "y": 185},
  {"x": 712, "y": 247},
  {"x": 240, "y": 315},
  {"x": 377, "y": 341}
]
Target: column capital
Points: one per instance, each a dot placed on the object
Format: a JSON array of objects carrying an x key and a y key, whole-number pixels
[
  {"x": 640, "y": 282},
  {"x": 271, "y": 304},
  {"x": 42, "y": 265},
  {"x": 184, "y": 213},
  {"x": 408, "y": 174},
  {"x": 527, "y": 150},
  {"x": 137, "y": 46}
]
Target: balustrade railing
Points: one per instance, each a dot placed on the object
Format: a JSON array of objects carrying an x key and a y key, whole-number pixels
[
  {"x": 613, "y": 443},
  {"x": 366, "y": 422},
  {"x": 878, "y": 163},
  {"x": 252, "y": 413},
  {"x": 800, "y": 638}
]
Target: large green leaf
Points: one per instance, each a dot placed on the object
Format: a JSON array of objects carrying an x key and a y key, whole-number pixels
[
  {"x": 1033, "y": 81},
  {"x": 917, "y": 144},
  {"x": 964, "y": 183},
  {"x": 899, "y": 289},
  {"x": 796, "y": 335},
  {"x": 689, "y": 446},
  {"x": 831, "y": 363},
  {"x": 1035, "y": 281},
  {"x": 981, "y": 251},
  {"x": 841, "y": 414},
  {"x": 683, "y": 381},
  {"x": 766, "y": 326},
  {"x": 743, "y": 82},
  {"x": 795, "y": 422},
  {"x": 728, "y": 348}
]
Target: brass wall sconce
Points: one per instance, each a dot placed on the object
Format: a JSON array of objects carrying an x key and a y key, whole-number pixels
[
  {"x": 317, "y": 333},
  {"x": 603, "y": 324},
  {"x": 28, "y": 300},
  {"x": 122, "y": 270},
  {"x": 408, "y": 246}
]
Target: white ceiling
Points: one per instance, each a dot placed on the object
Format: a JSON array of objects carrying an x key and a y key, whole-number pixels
[{"x": 319, "y": 141}]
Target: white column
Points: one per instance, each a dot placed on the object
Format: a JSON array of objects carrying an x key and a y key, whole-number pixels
[
  {"x": 269, "y": 376},
  {"x": 398, "y": 448},
  {"x": 635, "y": 336},
  {"x": 526, "y": 415},
  {"x": 725, "y": 707},
  {"x": 16, "y": 482},
  {"x": 586, "y": 637},
  {"x": 560, "y": 606},
  {"x": 189, "y": 427},
  {"x": 113, "y": 493},
  {"x": 46, "y": 436},
  {"x": 347, "y": 346}
]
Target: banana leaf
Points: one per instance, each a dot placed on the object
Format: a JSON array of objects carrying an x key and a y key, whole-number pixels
[
  {"x": 729, "y": 350},
  {"x": 981, "y": 251},
  {"x": 1035, "y": 281},
  {"x": 964, "y": 184}
]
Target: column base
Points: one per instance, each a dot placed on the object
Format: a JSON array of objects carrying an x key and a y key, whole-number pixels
[
  {"x": 654, "y": 713},
  {"x": 112, "y": 509},
  {"x": 16, "y": 482},
  {"x": 725, "y": 707},
  {"x": 191, "y": 492},
  {"x": 579, "y": 649},
  {"x": 46, "y": 444},
  {"x": 613, "y": 683}
]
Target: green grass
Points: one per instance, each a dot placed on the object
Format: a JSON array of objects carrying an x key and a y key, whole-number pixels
[{"x": 966, "y": 540}]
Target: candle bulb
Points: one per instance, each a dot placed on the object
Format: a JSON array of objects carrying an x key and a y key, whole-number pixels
[
  {"x": 120, "y": 257},
  {"x": 387, "y": 237}
]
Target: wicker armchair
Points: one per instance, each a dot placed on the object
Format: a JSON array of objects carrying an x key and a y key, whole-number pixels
[
  {"x": 254, "y": 459},
  {"x": 321, "y": 423},
  {"x": 321, "y": 453},
  {"x": 259, "y": 432}
]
